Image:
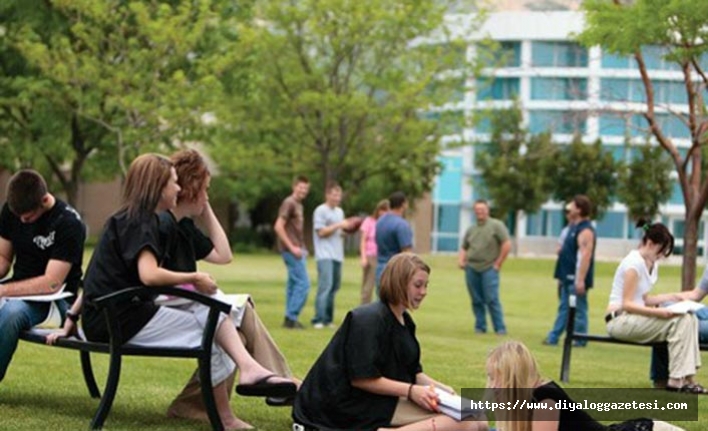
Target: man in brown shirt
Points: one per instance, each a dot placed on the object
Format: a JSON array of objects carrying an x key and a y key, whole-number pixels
[{"x": 291, "y": 244}]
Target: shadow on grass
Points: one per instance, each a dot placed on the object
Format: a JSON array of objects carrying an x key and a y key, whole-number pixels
[{"x": 83, "y": 408}]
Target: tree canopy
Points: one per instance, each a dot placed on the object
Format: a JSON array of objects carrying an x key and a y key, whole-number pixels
[
  {"x": 353, "y": 91},
  {"x": 676, "y": 30}
]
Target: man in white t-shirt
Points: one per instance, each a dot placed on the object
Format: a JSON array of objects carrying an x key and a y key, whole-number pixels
[{"x": 328, "y": 222}]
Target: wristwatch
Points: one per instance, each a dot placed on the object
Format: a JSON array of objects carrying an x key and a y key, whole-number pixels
[{"x": 72, "y": 316}]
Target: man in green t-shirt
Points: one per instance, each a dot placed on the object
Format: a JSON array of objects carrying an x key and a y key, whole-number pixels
[{"x": 484, "y": 249}]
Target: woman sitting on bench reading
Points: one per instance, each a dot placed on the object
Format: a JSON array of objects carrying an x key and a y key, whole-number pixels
[
  {"x": 633, "y": 315},
  {"x": 129, "y": 253}
]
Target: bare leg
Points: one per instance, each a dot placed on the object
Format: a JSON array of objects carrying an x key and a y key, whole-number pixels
[
  {"x": 230, "y": 422},
  {"x": 442, "y": 423},
  {"x": 251, "y": 371}
]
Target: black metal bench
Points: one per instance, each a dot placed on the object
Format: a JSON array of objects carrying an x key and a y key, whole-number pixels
[
  {"x": 117, "y": 351},
  {"x": 571, "y": 336}
]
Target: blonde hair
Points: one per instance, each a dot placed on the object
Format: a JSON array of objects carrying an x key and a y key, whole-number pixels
[
  {"x": 396, "y": 275},
  {"x": 383, "y": 205},
  {"x": 147, "y": 177},
  {"x": 513, "y": 373}
]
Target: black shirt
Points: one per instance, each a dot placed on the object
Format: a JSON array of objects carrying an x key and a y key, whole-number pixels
[
  {"x": 371, "y": 343},
  {"x": 113, "y": 267},
  {"x": 183, "y": 242},
  {"x": 58, "y": 234}
]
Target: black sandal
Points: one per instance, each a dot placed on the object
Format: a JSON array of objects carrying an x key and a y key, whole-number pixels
[{"x": 688, "y": 388}]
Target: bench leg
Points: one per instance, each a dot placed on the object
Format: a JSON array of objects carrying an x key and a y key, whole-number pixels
[
  {"x": 208, "y": 392},
  {"x": 88, "y": 375},
  {"x": 568, "y": 342},
  {"x": 109, "y": 392}
]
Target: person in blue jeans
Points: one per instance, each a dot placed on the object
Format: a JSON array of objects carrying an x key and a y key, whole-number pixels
[
  {"x": 393, "y": 234},
  {"x": 576, "y": 262},
  {"x": 42, "y": 239},
  {"x": 289, "y": 228},
  {"x": 484, "y": 248},
  {"x": 659, "y": 373},
  {"x": 328, "y": 222}
]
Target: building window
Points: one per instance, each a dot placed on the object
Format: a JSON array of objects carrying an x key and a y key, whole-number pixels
[
  {"x": 547, "y": 223},
  {"x": 622, "y": 90},
  {"x": 565, "y": 122},
  {"x": 611, "y": 61},
  {"x": 448, "y": 187},
  {"x": 497, "y": 88},
  {"x": 447, "y": 243},
  {"x": 558, "y": 89},
  {"x": 448, "y": 218},
  {"x": 611, "y": 225},
  {"x": 510, "y": 54},
  {"x": 558, "y": 54}
]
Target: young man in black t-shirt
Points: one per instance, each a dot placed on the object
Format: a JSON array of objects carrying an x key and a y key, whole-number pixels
[{"x": 42, "y": 240}]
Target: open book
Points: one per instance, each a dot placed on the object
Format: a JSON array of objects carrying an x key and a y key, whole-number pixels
[
  {"x": 237, "y": 301},
  {"x": 683, "y": 307},
  {"x": 455, "y": 406},
  {"x": 53, "y": 319}
]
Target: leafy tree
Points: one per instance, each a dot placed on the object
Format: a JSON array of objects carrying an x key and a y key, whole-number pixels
[
  {"x": 515, "y": 166},
  {"x": 678, "y": 28},
  {"x": 340, "y": 90},
  {"x": 646, "y": 183},
  {"x": 587, "y": 169},
  {"x": 87, "y": 85}
]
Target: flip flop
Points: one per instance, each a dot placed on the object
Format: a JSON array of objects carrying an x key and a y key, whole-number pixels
[
  {"x": 261, "y": 388},
  {"x": 689, "y": 388}
]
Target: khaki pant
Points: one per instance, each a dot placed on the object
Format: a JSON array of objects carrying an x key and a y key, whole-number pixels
[
  {"x": 368, "y": 280},
  {"x": 680, "y": 333},
  {"x": 260, "y": 345},
  {"x": 408, "y": 412}
]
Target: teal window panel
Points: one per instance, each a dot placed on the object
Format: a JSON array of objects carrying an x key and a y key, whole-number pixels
[
  {"x": 568, "y": 122},
  {"x": 448, "y": 218},
  {"x": 558, "y": 54},
  {"x": 448, "y": 187},
  {"x": 611, "y": 225},
  {"x": 510, "y": 53},
  {"x": 676, "y": 194},
  {"x": 479, "y": 191},
  {"x": 611, "y": 61},
  {"x": 448, "y": 243},
  {"x": 556, "y": 219},
  {"x": 498, "y": 89},
  {"x": 622, "y": 90},
  {"x": 612, "y": 125},
  {"x": 558, "y": 89}
]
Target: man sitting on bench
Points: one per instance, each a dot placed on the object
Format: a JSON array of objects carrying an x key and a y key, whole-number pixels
[{"x": 45, "y": 238}]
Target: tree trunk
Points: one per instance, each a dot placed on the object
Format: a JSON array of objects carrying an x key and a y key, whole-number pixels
[
  {"x": 690, "y": 250},
  {"x": 517, "y": 233}
]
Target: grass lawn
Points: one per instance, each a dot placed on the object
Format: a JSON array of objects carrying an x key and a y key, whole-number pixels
[{"x": 44, "y": 388}]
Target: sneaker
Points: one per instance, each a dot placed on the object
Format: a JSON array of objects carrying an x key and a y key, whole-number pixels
[
  {"x": 479, "y": 331},
  {"x": 318, "y": 325},
  {"x": 579, "y": 344},
  {"x": 292, "y": 324},
  {"x": 501, "y": 333},
  {"x": 331, "y": 325},
  {"x": 547, "y": 342}
]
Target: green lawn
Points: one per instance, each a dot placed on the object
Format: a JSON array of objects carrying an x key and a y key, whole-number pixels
[{"x": 44, "y": 389}]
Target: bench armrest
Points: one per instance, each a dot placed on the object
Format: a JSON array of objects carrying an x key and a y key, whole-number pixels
[{"x": 125, "y": 294}]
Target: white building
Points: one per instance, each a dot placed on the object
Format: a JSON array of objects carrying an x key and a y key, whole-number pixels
[{"x": 564, "y": 88}]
